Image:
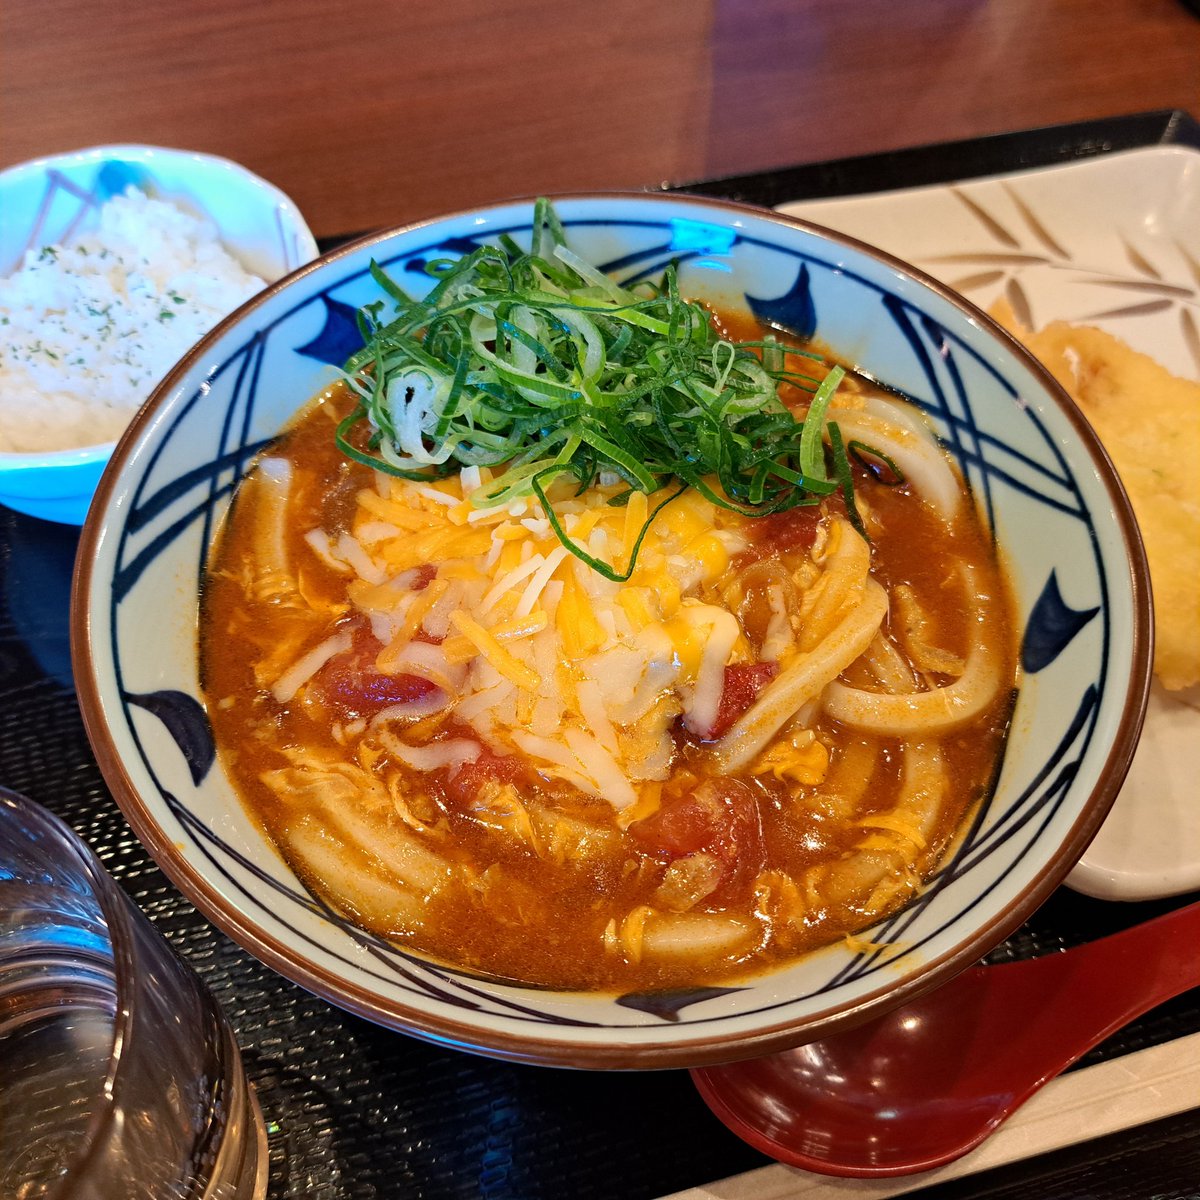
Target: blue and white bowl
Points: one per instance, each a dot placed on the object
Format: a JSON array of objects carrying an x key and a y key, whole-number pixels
[
  {"x": 1043, "y": 484},
  {"x": 44, "y": 201}
]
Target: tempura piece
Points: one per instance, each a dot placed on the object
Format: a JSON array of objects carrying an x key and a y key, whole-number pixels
[{"x": 1149, "y": 422}]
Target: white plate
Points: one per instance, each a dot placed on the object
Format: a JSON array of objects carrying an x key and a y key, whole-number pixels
[{"x": 1114, "y": 242}]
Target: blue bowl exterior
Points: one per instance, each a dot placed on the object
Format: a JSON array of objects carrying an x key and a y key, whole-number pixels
[
  {"x": 61, "y": 491},
  {"x": 1042, "y": 486}
]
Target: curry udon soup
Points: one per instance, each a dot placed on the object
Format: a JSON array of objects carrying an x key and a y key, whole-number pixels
[{"x": 466, "y": 739}]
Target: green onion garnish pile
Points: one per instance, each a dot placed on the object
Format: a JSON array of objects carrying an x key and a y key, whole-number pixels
[{"x": 538, "y": 362}]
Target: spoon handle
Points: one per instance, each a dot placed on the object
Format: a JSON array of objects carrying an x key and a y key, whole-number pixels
[{"x": 1118, "y": 978}]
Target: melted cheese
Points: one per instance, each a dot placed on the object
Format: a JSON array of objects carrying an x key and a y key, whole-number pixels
[{"x": 542, "y": 654}]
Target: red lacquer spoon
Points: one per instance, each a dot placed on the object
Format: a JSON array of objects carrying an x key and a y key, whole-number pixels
[{"x": 922, "y": 1085}]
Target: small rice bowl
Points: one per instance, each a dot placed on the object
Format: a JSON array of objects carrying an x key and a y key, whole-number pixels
[{"x": 91, "y": 325}]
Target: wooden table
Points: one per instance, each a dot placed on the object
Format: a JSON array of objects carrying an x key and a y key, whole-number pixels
[{"x": 371, "y": 114}]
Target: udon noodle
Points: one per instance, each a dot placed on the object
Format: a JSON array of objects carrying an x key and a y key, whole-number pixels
[{"x": 467, "y": 740}]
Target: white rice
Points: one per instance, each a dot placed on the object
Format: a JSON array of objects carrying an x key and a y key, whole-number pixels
[{"x": 88, "y": 328}]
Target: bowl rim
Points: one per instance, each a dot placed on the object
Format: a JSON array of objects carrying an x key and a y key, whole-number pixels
[
  {"x": 702, "y": 1048},
  {"x": 143, "y": 152},
  {"x": 74, "y": 456}
]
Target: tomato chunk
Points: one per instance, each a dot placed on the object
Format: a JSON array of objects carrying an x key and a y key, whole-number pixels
[
  {"x": 719, "y": 818},
  {"x": 353, "y": 686},
  {"x": 743, "y": 682},
  {"x": 425, "y": 574},
  {"x": 464, "y": 784},
  {"x": 792, "y": 529}
]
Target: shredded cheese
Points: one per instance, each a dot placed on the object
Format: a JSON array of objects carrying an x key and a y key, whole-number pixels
[
  {"x": 503, "y": 660},
  {"x": 297, "y": 675},
  {"x": 536, "y": 652}
]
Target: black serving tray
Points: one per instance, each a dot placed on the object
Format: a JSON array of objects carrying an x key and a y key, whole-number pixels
[
  {"x": 355, "y": 1110},
  {"x": 945, "y": 162}
]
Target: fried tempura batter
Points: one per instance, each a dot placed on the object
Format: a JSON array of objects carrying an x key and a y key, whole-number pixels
[{"x": 1149, "y": 422}]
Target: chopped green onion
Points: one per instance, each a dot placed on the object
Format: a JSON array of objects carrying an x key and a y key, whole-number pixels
[
  {"x": 882, "y": 466},
  {"x": 537, "y": 363},
  {"x": 811, "y": 453},
  {"x": 841, "y": 471}
]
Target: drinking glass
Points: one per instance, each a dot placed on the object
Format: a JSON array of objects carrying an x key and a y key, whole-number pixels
[{"x": 119, "y": 1075}]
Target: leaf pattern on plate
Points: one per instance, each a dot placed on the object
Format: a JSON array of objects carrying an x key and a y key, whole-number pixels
[
  {"x": 1146, "y": 287},
  {"x": 1191, "y": 335},
  {"x": 1193, "y": 264},
  {"x": 1014, "y": 293},
  {"x": 982, "y": 280},
  {"x": 998, "y": 257},
  {"x": 1036, "y": 226},
  {"x": 986, "y": 219},
  {"x": 1132, "y": 310},
  {"x": 1009, "y": 265},
  {"x": 1058, "y": 232},
  {"x": 1139, "y": 261}
]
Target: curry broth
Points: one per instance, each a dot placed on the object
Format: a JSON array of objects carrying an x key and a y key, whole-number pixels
[{"x": 547, "y": 908}]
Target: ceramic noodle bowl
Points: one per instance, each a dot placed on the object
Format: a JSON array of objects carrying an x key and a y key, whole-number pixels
[{"x": 1045, "y": 491}]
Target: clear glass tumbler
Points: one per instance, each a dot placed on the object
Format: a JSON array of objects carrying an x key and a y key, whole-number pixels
[{"x": 119, "y": 1075}]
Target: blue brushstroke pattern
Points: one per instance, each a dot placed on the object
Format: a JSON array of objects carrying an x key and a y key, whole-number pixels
[
  {"x": 701, "y": 237},
  {"x": 177, "y": 488},
  {"x": 1053, "y": 625},
  {"x": 668, "y": 1005},
  {"x": 454, "y": 247},
  {"x": 114, "y": 177},
  {"x": 128, "y": 575},
  {"x": 793, "y": 311},
  {"x": 339, "y": 337},
  {"x": 186, "y": 722}
]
